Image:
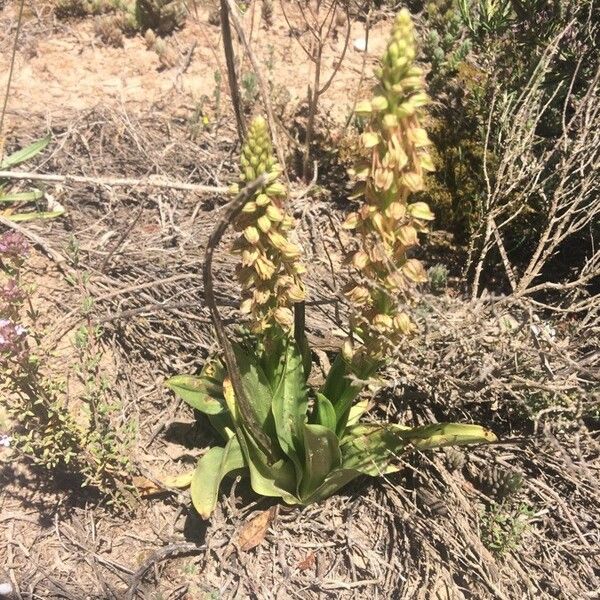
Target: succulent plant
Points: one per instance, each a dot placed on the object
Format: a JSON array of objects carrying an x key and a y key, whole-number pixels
[{"x": 162, "y": 16}]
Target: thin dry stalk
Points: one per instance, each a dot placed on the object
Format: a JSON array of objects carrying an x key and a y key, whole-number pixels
[
  {"x": 564, "y": 178},
  {"x": 231, "y": 73},
  {"x": 264, "y": 92},
  {"x": 319, "y": 20}
]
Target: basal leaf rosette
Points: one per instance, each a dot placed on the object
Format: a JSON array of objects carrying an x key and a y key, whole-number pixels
[
  {"x": 271, "y": 268},
  {"x": 393, "y": 160}
]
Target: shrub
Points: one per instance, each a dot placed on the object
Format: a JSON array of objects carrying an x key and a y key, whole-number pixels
[{"x": 91, "y": 442}]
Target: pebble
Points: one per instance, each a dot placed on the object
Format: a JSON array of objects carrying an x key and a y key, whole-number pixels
[{"x": 360, "y": 44}]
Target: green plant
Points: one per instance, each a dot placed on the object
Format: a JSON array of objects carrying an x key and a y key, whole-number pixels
[
  {"x": 19, "y": 199},
  {"x": 503, "y": 526},
  {"x": 295, "y": 442},
  {"x": 438, "y": 278},
  {"x": 250, "y": 88},
  {"x": 486, "y": 17},
  {"x": 162, "y": 16},
  {"x": 75, "y": 426}
]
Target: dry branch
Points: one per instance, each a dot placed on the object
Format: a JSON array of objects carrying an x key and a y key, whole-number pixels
[
  {"x": 264, "y": 92},
  {"x": 563, "y": 178},
  {"x": 115, "y": 181}
]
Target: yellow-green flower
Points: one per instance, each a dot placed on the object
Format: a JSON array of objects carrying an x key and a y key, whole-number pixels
[
  {"x": 394, "y": 158},
  {"x": 270, "y": 268}
]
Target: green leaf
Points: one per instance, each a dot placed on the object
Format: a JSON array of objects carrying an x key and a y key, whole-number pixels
[
  {"x": 33, "y": 216},
  {"x": 256, "y": 385},
  {"x": 369, "y": 448},
  {"x": 21, "y": 196},
  {"x": 341, "y": 391},
  {"x": 322, "y": 456},
  {"x": 325, "y": 413},
  {"x": 272, "y": 356},
  {"x": 25, "y": 154},
  {"x": 290, "y": 402},
  {"x": 357, "y": 411},
  {"x": 204, "y": 393},
  {"x": 223, "y": 425},
  {"x": 438, "y": 435},
  {"x": 276, "y": 480},
  {"x": 211, "y": 469},
  {"x": 336, "y": 480}
]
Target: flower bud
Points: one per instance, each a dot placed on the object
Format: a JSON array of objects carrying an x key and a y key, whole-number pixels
[
  {"x": 264, "y": 223},
  {"x": 369, "y": 139},
  {"x": 390, "y": 121},
  {"x": 360, "y": 260},
  {"x": 403, "y": 323},
  {"x": 351, "y": 221},
  {"x": 348, "y": 350},
  {"x": 274, "y": 214},
  {"x": 379, "y": 103},
  {"x": 413, "y": 269},
  {"x": 262, "y": 200},
  {"x": 407, "y": 235},
  {"x": 363, "y": 108},
  {"x": 421, "y": 211},
  {"x": 275, "y": 189},
  {"x": 252, "y": 235},
  {"x": 359, "y": 295},
  {"x": 382, "y": 323}
]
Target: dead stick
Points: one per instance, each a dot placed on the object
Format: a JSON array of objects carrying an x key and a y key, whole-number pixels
[
  {"x": 115, "y": 181},
  {"x": 243, "y": 403},
  {"x": 266, "y": 98},
  {"x": 231, "y": 74},
  {"x": 160, "y": 555}
]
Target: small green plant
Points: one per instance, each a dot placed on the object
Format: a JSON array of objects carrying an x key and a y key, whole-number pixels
[
  {"x": 438, "y": 278},
  {"x": 250, "y": 88},
  {"x": 9, "y": 198},
  {"x": 299, "y": 443},
  {"x": 503, "y": 526},
  {"x": 217, "y": 94},
  {"x": 486, "y": 17},
  {"x": 57, "y": 425},
  {"x": 162, "y": 16}
]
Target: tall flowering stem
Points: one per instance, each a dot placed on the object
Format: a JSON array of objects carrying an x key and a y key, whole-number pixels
[
  {"x": 270, "y": 269},
  {"x": 394, "y": 159}
]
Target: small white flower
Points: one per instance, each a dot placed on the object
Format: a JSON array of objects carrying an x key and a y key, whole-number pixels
[{"x": 5, "y": 441}]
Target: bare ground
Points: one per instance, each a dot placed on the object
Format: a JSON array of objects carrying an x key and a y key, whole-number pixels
[{"x": 419, "y": 534}]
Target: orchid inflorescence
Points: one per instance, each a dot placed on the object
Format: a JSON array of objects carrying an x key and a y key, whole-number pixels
[
  {"x": 270, "y": 269},
  {"x": 391, "y": 166}
]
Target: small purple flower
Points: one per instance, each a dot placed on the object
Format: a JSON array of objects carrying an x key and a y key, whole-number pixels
[
  {"x": 13, "y": 246},
  {"x": 12, "y": 342},
  {"x": 11, "y": 293}
]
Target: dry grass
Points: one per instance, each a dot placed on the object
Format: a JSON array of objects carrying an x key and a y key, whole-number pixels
[
  {"x": 418, "y": 535},
  {"x": 442, "y": 528}
]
